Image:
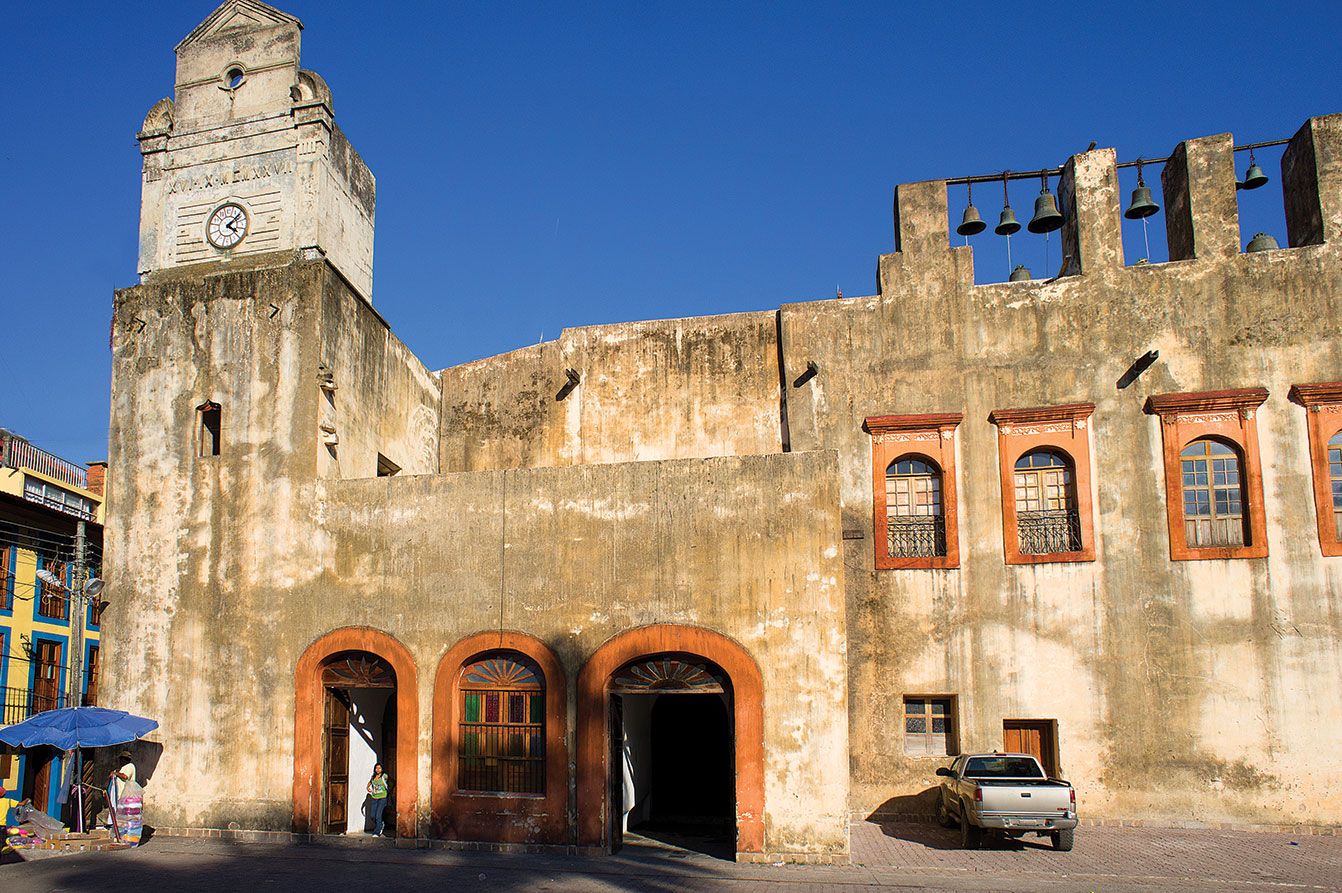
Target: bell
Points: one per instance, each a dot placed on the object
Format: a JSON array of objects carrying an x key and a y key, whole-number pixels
[
  {"x": 1020, "y": 274},
  {"x": 1006, "y": 224},
  {"x": 1046, "y": 217},
  {"x": 1253, "y": 178},
  {"x": 1142, "y": 205},
  {"x": 1262, "y": 241},
  {"x": 972, "y": 224}
]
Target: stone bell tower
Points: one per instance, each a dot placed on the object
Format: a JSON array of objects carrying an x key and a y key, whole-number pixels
[{"x": 246, "y": 157}]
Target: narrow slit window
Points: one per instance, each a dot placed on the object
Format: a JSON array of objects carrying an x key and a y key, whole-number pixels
[{"x": 211, "y": 424}]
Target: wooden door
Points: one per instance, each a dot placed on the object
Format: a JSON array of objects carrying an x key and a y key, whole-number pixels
[
  {"x": 37, "y": 768},
  {"x": 335, "y": 762},
  {"x": 615, "y": 774},
  {"x": 47, "y": 684},
  {"x": 1035, "y": 737}
]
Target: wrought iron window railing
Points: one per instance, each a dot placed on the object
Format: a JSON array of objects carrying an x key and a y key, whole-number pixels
[
  {"x": 1049, "y": 532},
  {"x": 916, "y": 536},
  {"x": 22, "y": 703}
]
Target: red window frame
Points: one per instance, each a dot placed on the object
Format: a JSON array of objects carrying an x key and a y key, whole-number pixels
[
  {"x": 927, "y": 436},
  {"x": 1058, "y": 429},
  {"x": 1323, "y": 417},
  {"x": 1229, "y": 416}
]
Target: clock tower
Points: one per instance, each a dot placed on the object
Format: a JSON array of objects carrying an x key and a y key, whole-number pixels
[{"x": 246, "y": 157}]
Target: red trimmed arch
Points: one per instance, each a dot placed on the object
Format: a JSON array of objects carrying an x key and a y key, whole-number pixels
[
  {"x": 308, "y": 724},
  {"x": 593, "y": 730},
  {"x": 499, "y": 818}
]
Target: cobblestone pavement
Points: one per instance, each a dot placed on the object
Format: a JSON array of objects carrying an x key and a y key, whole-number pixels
[{"x": 893, "y": 856}]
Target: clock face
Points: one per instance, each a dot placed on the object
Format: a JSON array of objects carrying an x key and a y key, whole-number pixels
[{"x": 226, "y": 226}]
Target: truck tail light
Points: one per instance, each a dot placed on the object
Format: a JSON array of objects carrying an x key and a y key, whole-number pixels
[
  {"x": 1073, "y": 792},
  {"x": 978, "y": 795}
]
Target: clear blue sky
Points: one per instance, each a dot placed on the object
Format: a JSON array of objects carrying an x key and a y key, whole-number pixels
[{"x": 559, "y": 164}]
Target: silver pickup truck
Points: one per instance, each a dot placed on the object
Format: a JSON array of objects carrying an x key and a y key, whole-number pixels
[{"x": 1007, "y": 793}]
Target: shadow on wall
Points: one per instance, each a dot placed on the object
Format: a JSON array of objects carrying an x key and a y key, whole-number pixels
[{"x": 144, "y": 754}]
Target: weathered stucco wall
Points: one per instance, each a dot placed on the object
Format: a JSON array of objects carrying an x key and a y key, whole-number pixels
[
  {"x": 1182, "y": 690},
  {"x": 663, "y": 389},
  {"x": 199, "y": 549},
  {"x": 384, "y": 401},
  {"x": 272, "y": 556}
]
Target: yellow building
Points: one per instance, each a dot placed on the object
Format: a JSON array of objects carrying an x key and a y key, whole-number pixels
[{"x": 51, "y": 514}]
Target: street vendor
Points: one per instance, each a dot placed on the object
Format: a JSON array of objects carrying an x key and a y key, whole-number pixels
[{"x": 124, "y": 778}]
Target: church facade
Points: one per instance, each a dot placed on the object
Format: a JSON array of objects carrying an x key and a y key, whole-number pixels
[{"x": 759, "y": 573}]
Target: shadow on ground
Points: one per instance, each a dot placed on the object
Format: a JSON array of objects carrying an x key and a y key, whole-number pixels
[{"x": 223, "y": 865}]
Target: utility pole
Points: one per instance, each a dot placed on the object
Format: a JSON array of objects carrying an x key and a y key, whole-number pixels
[{"x": 77, "y": 622}]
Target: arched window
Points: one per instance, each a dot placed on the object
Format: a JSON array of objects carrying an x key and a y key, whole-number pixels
[
  {"x": 915, "y": 519},
  {"x": 1335, "y": 476},
  {"x": 502, "y": 726},
  {"x": 1213, "y": 503},
  {"x": 1047, "y": 520}
]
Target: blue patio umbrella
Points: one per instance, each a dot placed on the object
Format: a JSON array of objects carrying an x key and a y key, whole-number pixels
[{"x": 71, "y": 728}]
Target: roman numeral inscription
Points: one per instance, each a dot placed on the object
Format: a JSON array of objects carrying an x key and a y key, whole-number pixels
[{"x": 239, "y": 172}]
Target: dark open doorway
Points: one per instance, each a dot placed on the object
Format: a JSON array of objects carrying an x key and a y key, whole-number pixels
[{"x": 672, "y": 751}]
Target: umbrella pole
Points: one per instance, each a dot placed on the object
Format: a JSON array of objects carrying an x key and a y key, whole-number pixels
[{"x": 79, "y": 785}]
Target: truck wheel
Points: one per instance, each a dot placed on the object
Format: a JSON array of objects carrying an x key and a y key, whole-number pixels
[
  {"x": 1062, "y": 840},
  {"x": 971, "y": 836},
  {"x": 943, "y": 814}
]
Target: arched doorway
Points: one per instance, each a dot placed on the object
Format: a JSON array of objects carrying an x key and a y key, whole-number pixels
[
  {"x": 358, "y": 732},
  {"x": 678, "y": 658},
  {"x": 672, "y": 742},
  {"x": 355, "y": 705}
]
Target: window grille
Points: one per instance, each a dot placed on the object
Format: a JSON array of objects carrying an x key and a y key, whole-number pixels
[
  {"x": 1047, "y": 519},
  {"x": 502, "y": 746},
  {"x": 915, "y": 519},
  {"x": 1213, "y": 503}
]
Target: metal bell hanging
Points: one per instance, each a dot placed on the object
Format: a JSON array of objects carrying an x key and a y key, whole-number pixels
[
  {"x": 1020, "y": 274},
  {"x": 1006, "y": 224},
  {"x": 972, "y": 224},
  {"x": 1254, "y": 176},
  {"x": 1262, "y": 242},
  {"x": 1142, "y": 204},
  {"x": 1046, "y": 217}
]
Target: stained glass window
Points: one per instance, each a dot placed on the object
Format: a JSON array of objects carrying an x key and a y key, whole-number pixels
[
  {"x": 1213, "y": 505},
  {"x": 502, "y": 726}
]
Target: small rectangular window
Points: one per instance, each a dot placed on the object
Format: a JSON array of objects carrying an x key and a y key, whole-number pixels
[
  {"x": 385, "y": 467},
  {"x": 929, "y": 726},
  {"x": 211, "y": 419}
]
